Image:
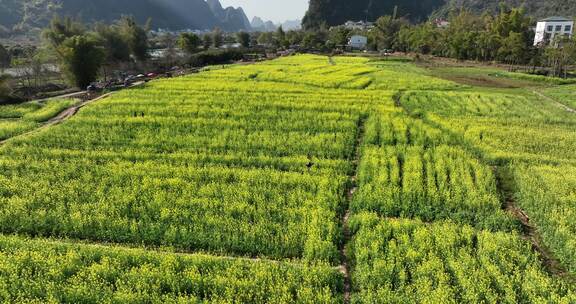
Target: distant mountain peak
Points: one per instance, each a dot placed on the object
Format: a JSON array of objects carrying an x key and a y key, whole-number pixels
[
  {"x": 214, "y": 5},
  {"x": 165, "y": 14},
  {"x": 336, "y": 12},
  {"x": 232, "y": 19},
  {"x": 267, "y": 26}
]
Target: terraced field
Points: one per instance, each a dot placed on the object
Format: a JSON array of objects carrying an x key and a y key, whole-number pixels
[{"x": 298, "y": 180}]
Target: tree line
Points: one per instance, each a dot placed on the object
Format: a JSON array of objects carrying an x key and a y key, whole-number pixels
[
  {"x": 506, "y": 37},
  {"x": 83, "y": 52}
]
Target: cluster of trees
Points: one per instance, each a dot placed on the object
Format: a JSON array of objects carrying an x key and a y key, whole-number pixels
[
  {"x": 82, "y": 52},
  {"x": 192, "y": 43},
  {"x": 5, "y": 58},
  {"x": 505, "y": 37}
]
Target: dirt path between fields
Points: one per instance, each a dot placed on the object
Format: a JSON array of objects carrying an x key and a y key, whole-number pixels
[
  {"x": 530, "y": 232},
  {"x": 554, "y": 101},
  {"x": 64, "y": 115},
  {"x": 345, "y": 267}
]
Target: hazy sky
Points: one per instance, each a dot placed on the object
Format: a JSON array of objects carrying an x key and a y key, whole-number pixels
[{"x": 275, "y": 10}]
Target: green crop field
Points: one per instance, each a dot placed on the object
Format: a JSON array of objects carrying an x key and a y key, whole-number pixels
[
  {"x": 20, "y": 118},
  {"x": 304, "y": 179}
]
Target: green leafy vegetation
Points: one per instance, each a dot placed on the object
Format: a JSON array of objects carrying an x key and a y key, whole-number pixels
[
  {"x": 196, "y": 163},
  {"x": 292, "y": 170},
  {"x": 431, "y": 184},
  {"x": 399, "y": 261},
  {"x": 20, "y": 118},
  {"x": 563, "y": 94},
  {"x": 547, "y": 193},
  {"x": 530, "y": 139},
  {"x": 339, "y": 11},
  {"x": 49, "y": 271}
]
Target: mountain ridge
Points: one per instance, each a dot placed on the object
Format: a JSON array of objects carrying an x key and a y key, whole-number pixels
[
  {"x": 24, "y": 15},
  {"x": 335, "y": 12}
]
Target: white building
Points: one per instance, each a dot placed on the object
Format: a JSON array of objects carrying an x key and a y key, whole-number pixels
[
  {"x": 441, "y": 23},
  {"x": 549, "y": 28},
  {"x": 359, "y": 25},
  {"x": 358, "y": 42}
]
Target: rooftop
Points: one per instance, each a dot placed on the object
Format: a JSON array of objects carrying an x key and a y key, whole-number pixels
[{"x": 556, "y": 19}]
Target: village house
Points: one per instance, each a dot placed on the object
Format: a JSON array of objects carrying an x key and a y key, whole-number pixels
[
  {"x": 358, "y": 25},
  {"x": 549, "y": 28},
  {"x": 358, "y": 42},
  {"x": 441, "y": 23}
]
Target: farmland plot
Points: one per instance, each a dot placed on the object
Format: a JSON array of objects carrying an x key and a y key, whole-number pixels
[
  {"x": 18, "y": 119},
  {"x": 273, "y": 183},
  {"x": 33, "y": 271},
  {"x": 527, "y": 135},
  {"x": 408, "y": 261}
]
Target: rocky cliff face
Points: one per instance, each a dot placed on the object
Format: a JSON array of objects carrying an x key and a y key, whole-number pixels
[
  {"x": 231, "y": 19},
  {"x": 260, "y": 25},
  {"x": 168, "y": 14},
  {"x": 335, "y": 12}
]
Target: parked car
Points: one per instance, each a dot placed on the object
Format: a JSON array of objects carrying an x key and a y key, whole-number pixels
[{"x": 92, "y": 88}]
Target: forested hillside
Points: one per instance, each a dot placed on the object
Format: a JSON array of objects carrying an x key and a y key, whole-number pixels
[
  {"x": 174, "y": 14},
  {"x": 334, "y": 12}
]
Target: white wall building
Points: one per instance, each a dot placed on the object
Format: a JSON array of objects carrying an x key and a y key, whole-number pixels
[
  {"x": 358, "y": 25},
  {"x": 358, "y": 42},
  {"x": 549, "y": 28}
]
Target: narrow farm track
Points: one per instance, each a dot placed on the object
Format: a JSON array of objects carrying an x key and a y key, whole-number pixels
[
  {"x": 351, "y": 189},
  {"x": 554, "y": 101},
  {"x": 530, "y": 232},
  {"x": 64, "y": 115}
]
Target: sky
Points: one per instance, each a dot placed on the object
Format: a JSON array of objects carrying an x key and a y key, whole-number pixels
[{"x": 275, "y": 10}]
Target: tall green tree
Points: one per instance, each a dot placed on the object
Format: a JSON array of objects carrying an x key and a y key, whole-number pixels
[
  {"x": 82, "y": 57},
  {"x": 189, "y": 42},
  {"x": 61, "y": 29},
  {"x": 512, "y": 26},
  {"x": 80, "y": 54},
  {"x": 385, "y": 33},
  {"x": 460, "y": 36},
  {"x": 207, "y": 41},
  {"x": 513, "y": 49},
  {"x": 339, "y": 35},
  {"x": 488, "y": 45},
  {"x": 5, "y": 90},
  {"x": 280, "y": 38},
  {"x": 136, "y": 37},
  {"x": 217, "y": 38},
  {"x": 243, "y": 38},
  {"x": 116, "y": 45},
  {"x": 560, "y": 55},
  {"x": 315, "y": 39},
  {"x": 266, "y": 38},
  {"x": 294, "y": 37},
  {"x": 5, "y": 58}
]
